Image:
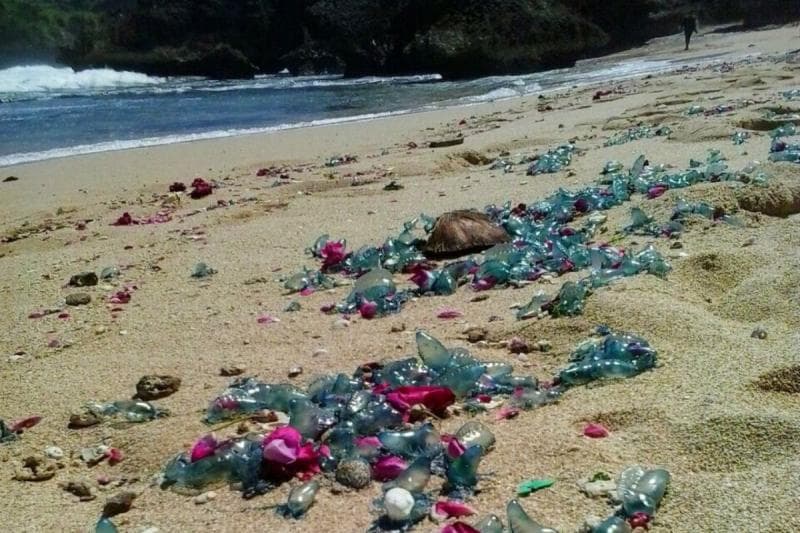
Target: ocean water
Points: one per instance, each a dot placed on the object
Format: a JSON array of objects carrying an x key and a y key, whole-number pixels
[{"x": 48, "y": 112}]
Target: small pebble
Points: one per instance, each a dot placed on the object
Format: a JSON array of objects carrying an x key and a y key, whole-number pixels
[
  {"x": 319, "y": 352},
  {"x": 155, "y": 387},
  {"x": 231, "y": 370},
  {"x": 518, "y": 346},
  {"x": 598, "y": 489},
  {"x": 204, "y": 498},
  {"x": 295, "y": 371},
  {"x": 83, "y": 420},
  {"x": 676, "y": 245},
  {"x": 543, "y": 346},
  {"x": 341, "y": 324},
  {"x": 354, "y": 473},
  {"x": 476, "y": 334},
  {"x": 84, "y": 279},
  {"x": 79, "y": 488},
  {"x": 759, "y": 333},
  {"x": 749, "y": 242},
  {"x": 398, "y": 329},
  {"x": 78, "y": 298},
  {"x": 54, "y": 452},
  {"x": 479, "y": 298},
  {"x": 118, "y": 504},
  {"x": 99, "y": 330}
]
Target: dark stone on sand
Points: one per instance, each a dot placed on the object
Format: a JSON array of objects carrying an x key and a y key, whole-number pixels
[
  {"x": 118, "y": 504},
  {"x": 84, "y": 420},
  {"x": 84, "y": 279},
  {"x": 154, "y": 387},
  {"x": 78, "y": 298},
  {"x": 10, "y": 179},
  {"x": 446, "y": 142}
]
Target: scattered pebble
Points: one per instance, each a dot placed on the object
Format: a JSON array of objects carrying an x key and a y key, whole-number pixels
[
  {"x": 354, "y": 473},
  {"x": 84, "y": 279},
  {"x": 749, "y": 242},
  {"x": 398, "y": 328},
  {"x": 480, "y": 298},
  {"x": 78, "y": 298},
  {"x": 598, "y": 489},
  {"x": 476, "y": 334},
  {"x": 319, "y": 352},
  {"x": 518, "y": 346},
  {"x": 79, "y": 488},
  {"x": 82, "y": 420},
  {"x": 341, "y": 323},
  {"x": 54, "y": 452},
  {"x": 295, "y": 371},
  {"x": 677, "y": 245},
  {"x": 154, "y": 387},
  {"x": 759, "y": 333},
  {"x": 204, "y": 498},
  {"x": 231, "y": 370},
  {"x": 118, "y": 504},
  {"x": 543, "y": 346}
]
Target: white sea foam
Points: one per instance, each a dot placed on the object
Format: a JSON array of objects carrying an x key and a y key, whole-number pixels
[
  {"x": 501, "y": 93},
  {"x": 44, "y": 78}
]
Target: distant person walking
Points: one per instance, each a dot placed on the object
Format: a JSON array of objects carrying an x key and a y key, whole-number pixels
[{"x": 689, "y": 27}]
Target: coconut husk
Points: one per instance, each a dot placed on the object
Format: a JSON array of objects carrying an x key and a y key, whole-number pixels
[{"x": 462, "y": 232}]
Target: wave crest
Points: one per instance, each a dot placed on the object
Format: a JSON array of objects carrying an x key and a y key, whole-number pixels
[{"x": 45, "y": 78}]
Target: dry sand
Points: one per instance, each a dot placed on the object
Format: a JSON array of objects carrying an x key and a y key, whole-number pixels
[{"x": 731, "y": 446}]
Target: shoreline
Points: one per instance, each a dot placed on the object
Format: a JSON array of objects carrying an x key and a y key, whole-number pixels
[{"x": 698, "y": 61}]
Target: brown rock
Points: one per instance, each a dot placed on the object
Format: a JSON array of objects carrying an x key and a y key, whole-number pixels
[
  {"x": 230, "y": 371},
  {"x": 154, "y": 387},
  {"x": 81, "y": 489},
  {"x": 83, "y": 420},
  {"x": 118, "y": 504},
  {"x": 518, "y": 346},
  {"x": 84, "y": 279},
  {"x": 476, "y": 334},
  {"x": 78, "y": 298}
]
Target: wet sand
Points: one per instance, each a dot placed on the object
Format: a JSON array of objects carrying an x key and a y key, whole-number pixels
[{"x": 730, "y": 445}]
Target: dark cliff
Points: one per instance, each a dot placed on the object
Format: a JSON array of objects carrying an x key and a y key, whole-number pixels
[{"x": 457, "y": 38}]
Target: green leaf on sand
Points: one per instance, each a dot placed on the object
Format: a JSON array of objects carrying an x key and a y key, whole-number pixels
[
  {"x": 532, "y": 485},
  {"x": 600, "y": 476}
]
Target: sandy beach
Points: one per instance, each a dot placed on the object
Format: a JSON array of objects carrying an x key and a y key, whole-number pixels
[{"x": 729, "y": 436}]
